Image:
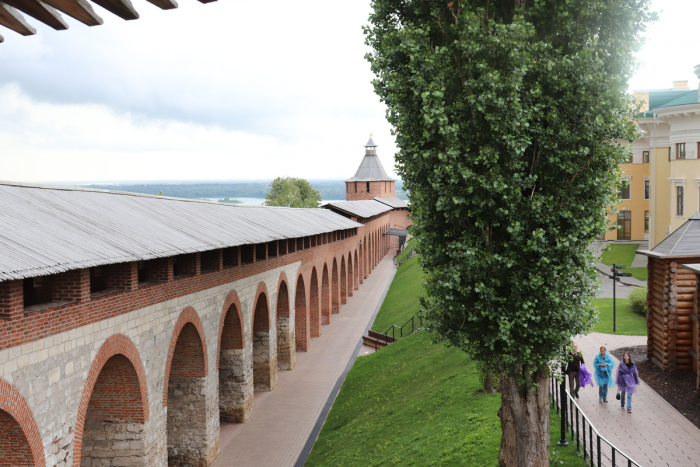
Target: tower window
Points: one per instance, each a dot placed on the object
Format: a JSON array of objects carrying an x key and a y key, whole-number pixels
[{"x": 367, "y": 187}]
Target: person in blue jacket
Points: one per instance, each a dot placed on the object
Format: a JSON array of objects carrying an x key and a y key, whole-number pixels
[
  {"x": 627, "y": 380},
  {"x": 603, "y": 365}
]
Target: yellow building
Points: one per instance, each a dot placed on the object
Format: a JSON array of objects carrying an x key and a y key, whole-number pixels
[{"x": 670, "y": 180}]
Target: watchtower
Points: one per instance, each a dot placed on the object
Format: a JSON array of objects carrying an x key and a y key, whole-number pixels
[{"x": 370, "y": 180}]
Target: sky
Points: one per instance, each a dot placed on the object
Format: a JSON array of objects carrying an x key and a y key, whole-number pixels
[{"x": 229, "y": 90}]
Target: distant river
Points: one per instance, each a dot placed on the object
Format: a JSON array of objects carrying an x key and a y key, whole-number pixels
[{"x": 260, "y": 201}]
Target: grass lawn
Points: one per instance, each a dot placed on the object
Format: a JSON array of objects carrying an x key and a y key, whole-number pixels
[
  {"x": 628, "y": 323},
  {"x": 404, "y": 254},
  {"x": 402, "y": 299},
  {"x": 416, "y": 403},
  {"x": 623, "y": 254}
]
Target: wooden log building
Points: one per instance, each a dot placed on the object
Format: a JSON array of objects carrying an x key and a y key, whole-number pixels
[{"x": 672, "y": 304}]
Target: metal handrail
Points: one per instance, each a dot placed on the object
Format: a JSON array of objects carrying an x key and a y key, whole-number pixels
[
  {"x": 568, "y": 422},
  {"x": 393, "y": 328}
]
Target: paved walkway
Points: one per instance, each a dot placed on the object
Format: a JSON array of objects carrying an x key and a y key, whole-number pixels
[
  {"x": 654, "y": 434},
  {"x": 283, "y": 419}
]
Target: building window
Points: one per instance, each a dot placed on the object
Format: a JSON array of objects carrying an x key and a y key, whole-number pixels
[
  {"x": 646, "y": 221},
  {"x": 367, "y": 187},
  {"x": 625, "y": 190},
  {"x": 679, "y": 200},
  {"x": 680, "y": 150},
  {"x": 645, "y": 157},
  {"x": 630, "y": 159},
  {"x": 355, "y": 187},
  {"x": 647, "y": 188}
]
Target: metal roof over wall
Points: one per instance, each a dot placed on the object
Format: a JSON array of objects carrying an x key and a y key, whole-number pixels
[
  {"x": 46, "y": 230},
  {"x": 361, "y": 208},
  {"x": 394, "y": 202}
]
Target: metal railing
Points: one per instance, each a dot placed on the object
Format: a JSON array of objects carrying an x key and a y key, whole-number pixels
[
  {"x": 415, "y": 319},
  {"x": 597, "y": 451}
]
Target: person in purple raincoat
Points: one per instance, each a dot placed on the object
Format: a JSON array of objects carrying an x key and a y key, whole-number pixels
[{"x": 627, "y": 380}]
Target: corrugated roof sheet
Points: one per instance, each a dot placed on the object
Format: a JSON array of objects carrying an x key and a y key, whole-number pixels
[
  {"x": 394, "y": 202},
  {"x": 684, "y": 241},
  {"x": 397, "y": 232},
  {"x": 687, "y": 98},
  {"x": 361, "y": 208},
  {"x": 370, "y": 170},
  {"x": 659, "y": 99},
  {"x": 46, "y": 230}
]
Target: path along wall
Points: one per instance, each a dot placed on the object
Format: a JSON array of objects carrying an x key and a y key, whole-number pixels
[{"x": 142, "y": 376}]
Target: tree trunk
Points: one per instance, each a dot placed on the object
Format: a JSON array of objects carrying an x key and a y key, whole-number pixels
[
  {"x": 488, "y": 382},
  {"x": 524, "y": 417}
]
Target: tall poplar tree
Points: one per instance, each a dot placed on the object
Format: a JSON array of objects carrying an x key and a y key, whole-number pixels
[{"x": 511, "y": 118}]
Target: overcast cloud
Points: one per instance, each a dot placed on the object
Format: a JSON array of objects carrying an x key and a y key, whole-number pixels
[{"x": 227, "y": 90}]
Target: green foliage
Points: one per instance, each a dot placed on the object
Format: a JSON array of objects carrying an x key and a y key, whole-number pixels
[
  {"x": 508, "y": 126},
  {"x": 638, "y": 301},
  {"x": 292, "y": 193},
  {"x": 230, "y": 201},
  {"x": 628, "y": 323},
  {"x": 403, "y": 298}
]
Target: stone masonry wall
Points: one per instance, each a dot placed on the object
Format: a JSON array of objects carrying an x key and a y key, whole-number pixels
[
  {"x": 50, "y": 372},
  {"x": 48, "y": 362}
]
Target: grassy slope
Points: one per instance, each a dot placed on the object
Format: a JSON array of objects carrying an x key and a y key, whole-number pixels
[
  {"x": 623, "y": 254},
  {"x": 415, "y": 403},
  {"x": 404, "y": 254},
  {"x": 402, "y": 299},
  {"x": 628, "y": 322}
]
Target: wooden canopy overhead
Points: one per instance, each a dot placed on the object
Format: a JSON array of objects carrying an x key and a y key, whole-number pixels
[{"x": 47, "y": 11}]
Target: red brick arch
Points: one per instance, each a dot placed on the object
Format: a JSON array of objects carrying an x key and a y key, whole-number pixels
[
  {"x": 262, "y": 289},
  {"x": 12, "y": 402},
  {"x": 188, "y": 315},
  {"x": 283, "y": 280},
  {"x": 117, "y": 344},
  {"x": 231, "y": 299}
]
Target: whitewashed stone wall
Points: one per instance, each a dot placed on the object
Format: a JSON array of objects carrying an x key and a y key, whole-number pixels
[{"x": 50, "y": 373}]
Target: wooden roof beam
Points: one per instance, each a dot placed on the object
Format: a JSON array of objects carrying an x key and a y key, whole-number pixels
[
  {"x": 164, "y": 4},
  {"x": 41, "y": 11},
  {"x": 13, "y": 19},
  {"x": 78, "y": 9},
  {"x": 122, "y": 8}
]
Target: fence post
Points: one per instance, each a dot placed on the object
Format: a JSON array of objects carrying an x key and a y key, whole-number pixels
[{"x": 562, "y": 395}]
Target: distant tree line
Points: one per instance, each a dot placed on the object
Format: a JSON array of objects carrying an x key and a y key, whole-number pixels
[{"x": 329, "y": 189}]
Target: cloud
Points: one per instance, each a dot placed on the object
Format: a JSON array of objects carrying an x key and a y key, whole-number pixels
[
  {"x": 42, "y": 141},
  {"x": 243, "y": 65}
]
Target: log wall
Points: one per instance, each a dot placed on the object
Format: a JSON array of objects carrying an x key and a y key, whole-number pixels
[{"x": 671, "y": 300}]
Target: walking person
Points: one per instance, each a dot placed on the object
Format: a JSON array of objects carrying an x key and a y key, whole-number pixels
[
  {"x": 604, "y": 365},
  {"x": 572, "y": 369},
  {"x": 627, "y": 380}
]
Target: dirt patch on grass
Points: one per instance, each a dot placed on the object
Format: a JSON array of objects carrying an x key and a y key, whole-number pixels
[{"x": 678, "y": 387}]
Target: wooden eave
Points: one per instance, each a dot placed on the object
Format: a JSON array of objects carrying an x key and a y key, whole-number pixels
[{"x": 49, "y": 12}]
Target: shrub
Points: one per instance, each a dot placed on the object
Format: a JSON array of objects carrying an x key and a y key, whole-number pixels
[{"x": 638, "y": 301}]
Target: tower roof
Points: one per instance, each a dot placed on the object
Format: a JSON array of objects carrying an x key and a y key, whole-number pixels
[
  {"x": 370, "y": 169},
  {"x": 684, "y": 241}
]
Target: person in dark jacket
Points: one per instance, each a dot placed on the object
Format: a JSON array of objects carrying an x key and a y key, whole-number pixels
[
  {"x": 627, "y": 380},
  {"x": 572, "y": 369}
]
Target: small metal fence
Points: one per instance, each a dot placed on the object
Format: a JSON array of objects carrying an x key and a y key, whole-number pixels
[
  {"x": 416, "y": 322},
  {"x": 597, "y": 451}
]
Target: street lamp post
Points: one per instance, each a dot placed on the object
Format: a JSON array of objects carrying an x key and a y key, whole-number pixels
[{"x": 614, "y": 271}]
